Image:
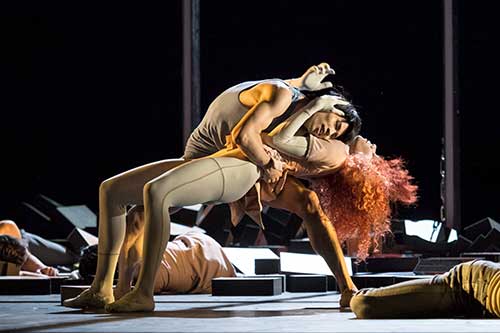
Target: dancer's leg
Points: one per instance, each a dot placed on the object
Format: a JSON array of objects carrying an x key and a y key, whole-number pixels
[
  {"x": 298, "y": 199},
  {"x": 422, "y": 298},
  {"x": 222, "y": 179},
  {"x": 131, "y": 251},
  {"x": 114, "y": 194}
]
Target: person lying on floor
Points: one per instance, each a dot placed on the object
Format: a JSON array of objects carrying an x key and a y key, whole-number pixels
[
  {"x": 14, "y": 249},
  {"x": 42, "y": 254},
  {"x": 188, "y": 265},
  {"x": 470, "y": 289}
]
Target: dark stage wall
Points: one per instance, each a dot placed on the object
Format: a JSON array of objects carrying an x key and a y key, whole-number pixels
[{"x": 91, "y": 90}]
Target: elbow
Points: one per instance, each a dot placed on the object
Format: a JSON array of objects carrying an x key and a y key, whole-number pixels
[{"x": 243, "y": 138}]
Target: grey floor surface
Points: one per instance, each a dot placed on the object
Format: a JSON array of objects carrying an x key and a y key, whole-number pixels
[{"x": 289, "y": 312}]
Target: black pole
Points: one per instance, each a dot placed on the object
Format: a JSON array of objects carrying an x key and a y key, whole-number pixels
[
  {"x": 452, "y": 195},
  {"x": 190, "y": 66}
]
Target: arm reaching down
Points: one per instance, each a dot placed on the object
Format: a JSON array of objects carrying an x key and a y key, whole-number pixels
[{"x": 266, "y": 101}]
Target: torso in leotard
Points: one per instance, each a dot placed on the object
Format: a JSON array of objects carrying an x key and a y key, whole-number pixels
[{"x": 222, "y": 116}]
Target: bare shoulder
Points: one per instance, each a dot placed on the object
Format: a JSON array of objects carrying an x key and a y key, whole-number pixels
[{"x": 267, "y": 91}]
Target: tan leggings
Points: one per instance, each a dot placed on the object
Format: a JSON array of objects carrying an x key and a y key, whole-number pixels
[
  {"x": 159, "y": 186},
  {"x": 470, "y": 289}
]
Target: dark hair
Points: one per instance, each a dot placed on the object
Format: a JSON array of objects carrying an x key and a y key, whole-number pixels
[
  {"x": 351, "y": 114},
  {"x": 13, "y": 250}
]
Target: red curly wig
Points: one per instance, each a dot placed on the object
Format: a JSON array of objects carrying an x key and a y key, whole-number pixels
[{"x": 357, "y": 198}]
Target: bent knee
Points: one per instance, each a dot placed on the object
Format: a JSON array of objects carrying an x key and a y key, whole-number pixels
[
  {"x": 308, "y": 203},
  {"x": 156, "y": 190},
  {"x": 107, "y": 186}
]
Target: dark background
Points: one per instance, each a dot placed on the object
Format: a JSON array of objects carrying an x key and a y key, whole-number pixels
[{"x": 90, "y": 90}]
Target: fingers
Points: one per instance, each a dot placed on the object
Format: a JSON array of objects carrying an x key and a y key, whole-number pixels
[
  {"x": 327, "y": 69},
  {"x": 338, "y": 112}
]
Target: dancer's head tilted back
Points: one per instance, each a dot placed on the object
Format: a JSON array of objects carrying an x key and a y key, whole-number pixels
[
  {"x": 357, "y": 198},
  {"x": 330, "y": 125}
]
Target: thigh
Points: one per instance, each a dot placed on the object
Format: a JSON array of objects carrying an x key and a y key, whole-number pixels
[
  {"x": 127, "y": 187},
  {"x": 420, "y": 298},
  {"x": 206, "y": 180}
]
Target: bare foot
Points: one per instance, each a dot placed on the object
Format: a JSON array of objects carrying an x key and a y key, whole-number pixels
[
  {"x": 132, "y": 302},
  {"x": 89, "y": 299},
  {"x": 345, "y": 297}
]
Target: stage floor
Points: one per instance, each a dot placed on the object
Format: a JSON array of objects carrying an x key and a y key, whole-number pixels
[{"x": 289, "y": 312}]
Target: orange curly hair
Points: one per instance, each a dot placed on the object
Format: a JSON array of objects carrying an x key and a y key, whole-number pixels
[{"x": 357, "y": 198}]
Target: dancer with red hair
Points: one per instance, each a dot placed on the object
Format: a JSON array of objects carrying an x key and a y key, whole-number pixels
[
  {"x": 228, "y": 176},
  {"x": 357, "y": 198}
]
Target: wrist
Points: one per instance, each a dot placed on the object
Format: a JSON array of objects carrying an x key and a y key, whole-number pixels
[{"x": 297, "y": 83}]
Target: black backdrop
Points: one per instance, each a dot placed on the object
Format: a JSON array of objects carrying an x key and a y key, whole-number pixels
[{"x": 89, "y": 90}]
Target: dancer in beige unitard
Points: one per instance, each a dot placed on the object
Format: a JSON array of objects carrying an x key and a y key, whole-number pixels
[
  {"x": 219, "y": 178},
  {"x": 247, "y": 109}
]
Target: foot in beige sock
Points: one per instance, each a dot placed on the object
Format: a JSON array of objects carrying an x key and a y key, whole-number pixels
[
  {"x": 133, "y": 301},
  {"x": 89, "y": 299}
]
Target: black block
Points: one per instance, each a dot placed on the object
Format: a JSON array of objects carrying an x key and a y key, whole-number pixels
[
  {"x": 281, "y": 276},
  {"x": 216, "y": 221},
  {"x": 438, "y": 265},
  {"x": 391, "y": 264},
  {"x": 301, "y": 246},
  {"x": 24, "y": 285},
  {"x": 35, "y": 221},
  {"x": 79, "y": 238},
  {"x": 267, "y": 266},
  {"x": 242, "y": 286},
  {"x": 189, "y": 215},
  {"x": 481, "y": 227},
  {"x": 332, "y": 283},
  {"x": 56, "y": 282},
  {"x": 69, "y": 291},
  {"x": 491, "y": 256},
  {"x": 306, "y": 283},
  {"x": 486, "y": 243}
]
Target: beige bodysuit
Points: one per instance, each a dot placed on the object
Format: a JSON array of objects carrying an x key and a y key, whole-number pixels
[{"x": 189, "y": 264}]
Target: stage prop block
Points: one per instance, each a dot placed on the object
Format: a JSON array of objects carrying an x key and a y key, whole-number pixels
[
  {"x": 68, "y": 291},
  {"x": 24, "y": 285},
  {"x": 438, "y": 265},
  {"x": 281, "y": 276},
  {"x": 247, "y": 286},
  {"x": 244, "y": 258},
  {"x": 390, "y": 263},
  {"x": 267, "y": 266},
  {"x": 491, "y": 256},
  {"x": 302, "y": 245},
  {"x": 79, "y": 238},
  {"x": 300, "y": 283}
]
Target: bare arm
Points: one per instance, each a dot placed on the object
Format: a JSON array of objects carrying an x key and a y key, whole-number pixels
[
  {"x": 33, "y": 264},
  {"x": 284, "y": 138},
  {"x": 267, "y": 102}
]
